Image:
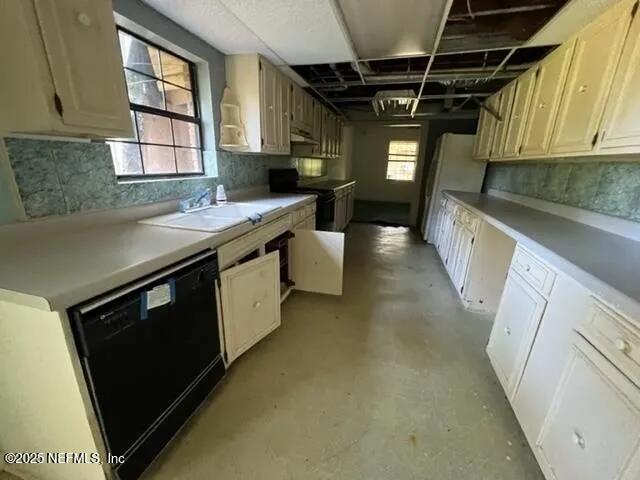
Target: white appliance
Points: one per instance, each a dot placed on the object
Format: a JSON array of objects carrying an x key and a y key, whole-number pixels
[{"x": 452, "y": 168}]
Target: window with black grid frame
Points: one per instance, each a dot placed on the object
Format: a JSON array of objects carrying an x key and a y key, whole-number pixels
[
  {"x": 402, "y": 160},
  {"x": 163, "y": 100}
]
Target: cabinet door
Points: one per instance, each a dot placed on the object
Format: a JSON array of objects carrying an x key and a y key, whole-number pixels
[
  {"x": 486, "y": 129},
  {"x": 514, "y": 329},
  {"x": 84, "y": 58},
  {"x": 465, "y": 246},
  {"x": 444, "y": 241},
  {"x": 284, "y": 125},
  {"x": 307, "y": 111},
  {"x": 316, "y": 260},
  {"x": 551, "y": 76},
  {"x": 506, "y": 104},
  {"x": 297, "y": 113},
  {"x": 621, "y": 126},
  {"x": 595, "y": 58},
  {"x": 452, "y": 256},
  {"x": 521, "y": 102},
  {"x": 268, "y": 107},
  {"x": 593, "y": 426},
  {"x": 250, "y": 297}
]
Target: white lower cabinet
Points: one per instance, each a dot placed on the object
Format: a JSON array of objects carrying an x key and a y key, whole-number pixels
[
  {"x": 519, "y": 313},
  {"x": 316, "y": 261},
  {"x": 592, "y": 430},
  {"x": 250, "y": 295},
  {"x": 460, "y": 261},
  {"x": 266, "y": 263}
]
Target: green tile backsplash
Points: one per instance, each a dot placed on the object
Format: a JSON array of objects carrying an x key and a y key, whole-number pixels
[
  {"x": 611, "y": 188},
  {"x": 59, "y": 178}
]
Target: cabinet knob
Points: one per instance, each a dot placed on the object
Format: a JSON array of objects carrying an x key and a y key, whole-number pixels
[
  {"x": 578, "y": 440},
  {"x": 527, "y": 268},
  {"x": 622, "y": 345},
  {"x": 507, "y": 330},
  {"x": 84, "y": 19},
  {"x": 257, "y": 304},
  {"x": 582, "y": 88},
  {"x": 542, "y": 106}
]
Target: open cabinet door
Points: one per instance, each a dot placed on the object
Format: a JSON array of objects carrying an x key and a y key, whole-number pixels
[
  {"x": 317, "y": 261},
  {"x": 250, "y": 297}
]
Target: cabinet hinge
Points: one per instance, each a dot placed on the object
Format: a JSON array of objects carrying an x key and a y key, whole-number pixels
[
  {"x": 262, "y": 141},
  {"x": 473, "y": 240},
  {"x": 58, "y": 104},
  {"x": 462, "y": 289},
  {"x": 537, "y": 72},
  {"x": 594, "y": 140},
  {"x": 634, "y": 10},
  {"x": 259, "y": 65},
  {"x": 520, "y": 150}
]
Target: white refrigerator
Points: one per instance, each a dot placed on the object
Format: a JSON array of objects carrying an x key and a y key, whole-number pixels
[{"x": 452, "y": 168}]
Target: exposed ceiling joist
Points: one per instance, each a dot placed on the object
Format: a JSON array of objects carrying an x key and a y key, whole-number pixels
[
  {"x": 436, "y": 44},
  {"x": 443, "y": 96}
]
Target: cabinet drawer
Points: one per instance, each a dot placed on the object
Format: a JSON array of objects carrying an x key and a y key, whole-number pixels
[
  {"x": 616, "y": 337},
  {"x": 310, "y": 209},
  {"x": 533, "y": 270},
  {"x": 299, "y": 215},
  {"x": 592, "y": 428},
  {"x": 235, "y": 249}
]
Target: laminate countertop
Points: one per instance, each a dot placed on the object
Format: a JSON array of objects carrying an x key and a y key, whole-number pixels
[
  {"x": 330, "y": 184},
  {"x": 53, "y": 265},
  {"x": 605, "y": 263}
]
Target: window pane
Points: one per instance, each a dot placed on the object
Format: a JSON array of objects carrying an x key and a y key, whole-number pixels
[
  {"x": 154, "y": 129},
  {"x": 175, "y": 70},
  {"x": 139, "y": 56},
  {"x": 400, "y": 170},
  {"x": 179, "y": 100},
  {"x": 188, "y": 160},
  {"x": 186, "y": 134},
  {"x": 144, "y": 90},
  {"x": 126, "y": 158},
  {"x": 403, "y": 147},
  {"x": 158, "y": 160}
]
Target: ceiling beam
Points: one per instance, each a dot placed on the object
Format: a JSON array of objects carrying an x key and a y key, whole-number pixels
[
  {"x": 500, "y": 11},
  {"x": 443, "y": 96},
  {"x": 443, "y": 21},
  {"x": 339, "y": 14}
]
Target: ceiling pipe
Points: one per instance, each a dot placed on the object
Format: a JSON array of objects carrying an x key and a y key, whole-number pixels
[
  {"x": 484, "y": 106},
  {"x": 443, "y": 21},
  {"x": 500, "y": 11},
  {"x": 503, "y": 62}
]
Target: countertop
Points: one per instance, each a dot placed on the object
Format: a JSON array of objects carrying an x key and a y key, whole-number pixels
[
  {"x": 605, "y": 263},
  {"x": 55, "y": 268},
  {"x": 330, "y": 184}
]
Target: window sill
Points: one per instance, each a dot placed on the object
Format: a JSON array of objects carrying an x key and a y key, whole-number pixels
[{"x": 126, "y": 181}]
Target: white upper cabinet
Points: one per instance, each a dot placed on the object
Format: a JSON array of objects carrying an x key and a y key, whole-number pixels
[
  {"x": 486, "y": 129},
  {"x": 258, "y": 87},
  {"x": 250, "y": 297},
  {"x": 62, "y": 69},
  {"x": 551, "y": 76},
  {"x": 316, "y": 261},
  {"x": 595, "y": 57},
  {"x": 621, "y": 126},
  {"x": 592, "y": 429},
  {"x": 302, "y": 109},
  {"x": 506, "y": 105},
  {"x": 523, "y": 92}
]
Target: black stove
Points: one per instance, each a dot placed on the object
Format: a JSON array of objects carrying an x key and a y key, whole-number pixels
[{"x": 285, "y": 180}]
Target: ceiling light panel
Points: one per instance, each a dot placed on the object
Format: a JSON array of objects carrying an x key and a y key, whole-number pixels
[
  {"x": 298, "y": 31},
  {"x": 383, "y": 28}
]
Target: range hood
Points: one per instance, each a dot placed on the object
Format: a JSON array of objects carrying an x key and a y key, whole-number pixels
[{"x": 300, "y": 137}]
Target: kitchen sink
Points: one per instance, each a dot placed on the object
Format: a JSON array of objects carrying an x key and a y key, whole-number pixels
[{"x": 216, "y": 218}]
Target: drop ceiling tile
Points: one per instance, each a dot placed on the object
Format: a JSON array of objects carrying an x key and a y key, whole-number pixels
[
  {"x": 569, "y": 20},
  {"x": 383, "y": 28},
  {"x": 212, "y": 22},
  {"x": 298, "y": 31}
]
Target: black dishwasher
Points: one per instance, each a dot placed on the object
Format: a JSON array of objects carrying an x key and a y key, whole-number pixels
[{"x": 151, "y": 354}]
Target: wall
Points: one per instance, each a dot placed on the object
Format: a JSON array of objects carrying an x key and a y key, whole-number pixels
[
  {"x": 370, "y": 148},
  {"x": 63, "y": 177},
  {"x": 611, "y": 188}
]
